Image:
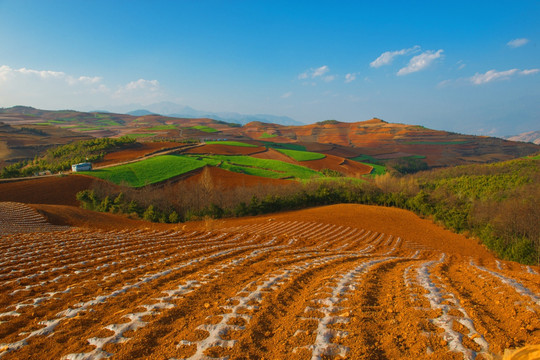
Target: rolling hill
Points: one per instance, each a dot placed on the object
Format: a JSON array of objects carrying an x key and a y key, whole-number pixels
[
  {"x": 376, "y": 139},
  {"x": 530, "y": 136}
]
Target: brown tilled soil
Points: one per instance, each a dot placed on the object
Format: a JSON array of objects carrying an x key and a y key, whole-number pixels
[
  {"x": 343, "y": 281},
  {"x": 140, "y": 150},
  {"x": 218, "y": 149},
  {"x": 223, "y": 179},
  {"x": 59, "y": 190}
]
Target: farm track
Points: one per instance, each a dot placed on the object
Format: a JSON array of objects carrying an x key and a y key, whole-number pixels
[{"x": 287, "y": 289}]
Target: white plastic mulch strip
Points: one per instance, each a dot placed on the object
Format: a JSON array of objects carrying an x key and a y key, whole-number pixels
[
  {"x": 165, "y": 302},
  {"x": 329, "y": 306},
  {"x": 244, "y": 302},
  {"x": 441, "y": 299},
  {"x": 518, "y": 287}
]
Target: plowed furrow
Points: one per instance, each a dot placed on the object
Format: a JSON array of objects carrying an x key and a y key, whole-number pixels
[
  {"x": 500, "y": 314},
  {"x": 219, "y": 333},
  {"x": 45, "y": 327},
  {"x": 121, "y": 269},
  {"x": 452, "y": 328},
  {"x": 152, "y": 306}
]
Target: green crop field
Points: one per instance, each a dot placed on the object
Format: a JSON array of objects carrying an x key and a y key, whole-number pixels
[
  {"x": 302, "y": 155},
  {"x": 363, "y": 158},
  {"x": 162, "y": 127},
  {"x": 207, "y": 129},
  {"x": 148, "y": 171},
  {"x": 231, "y": 143},
  {"x": 275, "y": 145},
  {"x": 143, "y": 135},
  {"x": 108, "y": 122},
  {"x": 377, "y": 169},
  {"x": 268, "y": 136},
  {"x": 261, "y": 167}
]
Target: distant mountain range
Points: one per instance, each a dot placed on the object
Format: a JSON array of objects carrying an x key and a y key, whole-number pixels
[
  {"x": 171, "y": 109},
  {"x": 530, "y": 136}
]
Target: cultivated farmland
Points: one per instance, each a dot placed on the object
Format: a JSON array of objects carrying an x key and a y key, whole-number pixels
[{"x": 290, "y": 286}]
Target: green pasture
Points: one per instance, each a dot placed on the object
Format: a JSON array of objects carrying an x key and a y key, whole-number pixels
[
  {"x": 260, "y": 167},
  {"x": 142, "y": 135},
  {"x": 148, "y": 171},
  {"x": 268, "y": 136},
  {"x": 288, "y": 146},
  {"x": 162, "y": 127},
  {"x": 302, "y": 155},
  {"x": 204, "y": 128}
]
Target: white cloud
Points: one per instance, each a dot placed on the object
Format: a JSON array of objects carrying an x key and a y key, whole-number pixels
[
  {"x": 57, "y": 89},
  {"x": 350, "y": 77},
  {"x": 387, "y": 57},
  {"x": 138, "y": 91},
  {"x": 529, "y": 71},
  {"x": 517, "y": 42},
  {"x": 151, "y": 85},
  {"x": 7, "y": 72},
  {"x": 44, "y": 74},
  {"x": 320, "y": 71},
  {"x": 444, "y": 83},
  {"x": 493, "y": 75},
  {"x": 329, "y": 78},
  {"x": 286, "y": 95},
  {"x": 420, "y": 62},
  {"x": 313, "y": 73}
]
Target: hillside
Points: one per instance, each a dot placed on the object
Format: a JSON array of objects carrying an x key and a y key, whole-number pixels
[
  {"x": 375, "y": 139},
  {"x": 25, "y": 141},
  {"x": 366, "y": 283},
  {"x": 530, "y": 136}
]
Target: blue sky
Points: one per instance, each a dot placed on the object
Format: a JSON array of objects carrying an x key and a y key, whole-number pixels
[{"x": 465, "y": 66}]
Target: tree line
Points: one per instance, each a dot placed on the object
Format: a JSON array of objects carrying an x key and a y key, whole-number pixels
[
  {"x": 61, "y": 158},
  {"x": 497, "y": 203}
]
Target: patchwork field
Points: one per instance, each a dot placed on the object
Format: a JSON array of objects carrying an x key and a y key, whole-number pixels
[{"x": 366, "y": 283}]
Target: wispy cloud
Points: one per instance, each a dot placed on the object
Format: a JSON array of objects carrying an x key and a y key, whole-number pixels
[
  {"x": 329, "y": 78},
  {"x": 286, "y": 95},
  {"x": 320, "y": 71},
  {"x": 138, "y": 91},
  {"x": 387, "y": 57},
  {"x": 6, "y": 72},
  {"x": 493, "y": 75},
  {"x": 529, "y": 71},
  {"x": 314, "y": 72},
  {"x": 420, "y": 62},
  {"x": 350, "y": 77},
  {"x": 52, "y": 88},
  {"x": 152, "y": 85},
  {"x": 517, "y": 42}
]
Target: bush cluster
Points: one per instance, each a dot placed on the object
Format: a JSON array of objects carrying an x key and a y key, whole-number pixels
[
  {"x": 499, "y": 203},
  {"x": 62, "y": 157}
]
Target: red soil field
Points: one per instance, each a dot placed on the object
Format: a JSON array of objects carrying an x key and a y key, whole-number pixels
[
  {"x": 59, "y": 190},
  {"x": 343, "y": 281},
  {"x": 141, "y": 150},
  {"x": 218, "y": 149},
  {"x": 227, "y": 179}
]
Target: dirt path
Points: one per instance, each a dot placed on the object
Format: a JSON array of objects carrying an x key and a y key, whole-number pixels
[{"x": 277, "y": 287}]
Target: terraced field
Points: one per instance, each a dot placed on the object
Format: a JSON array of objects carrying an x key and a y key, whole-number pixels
[{"x": 268, "y": 289}]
